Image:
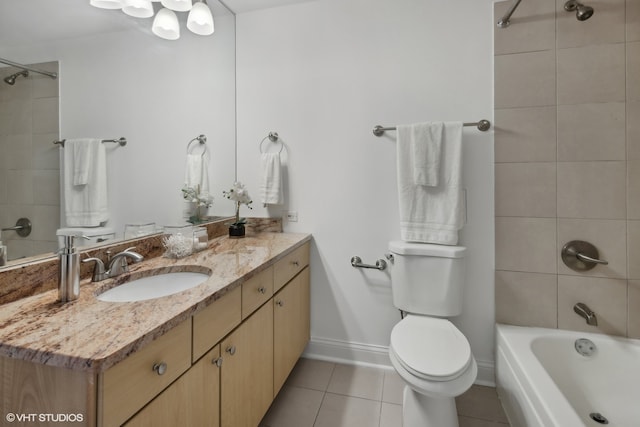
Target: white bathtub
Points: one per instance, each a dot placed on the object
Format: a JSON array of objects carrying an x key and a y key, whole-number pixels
[{"x": 543, "y": 381}]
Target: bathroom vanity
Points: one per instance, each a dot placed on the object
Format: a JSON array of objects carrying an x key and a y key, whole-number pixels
[{"x": 214, "y": 355}]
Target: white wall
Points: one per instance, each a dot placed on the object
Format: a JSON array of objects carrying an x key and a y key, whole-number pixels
[
  {"x": 322, "y": 74},
  {"x": 159, "y": 95}
]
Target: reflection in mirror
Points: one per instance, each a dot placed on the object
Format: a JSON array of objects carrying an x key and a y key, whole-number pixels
[{"x": 116, "y": 79}]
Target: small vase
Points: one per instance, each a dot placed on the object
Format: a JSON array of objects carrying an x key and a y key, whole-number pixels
[{"x": 236, "y": 231}]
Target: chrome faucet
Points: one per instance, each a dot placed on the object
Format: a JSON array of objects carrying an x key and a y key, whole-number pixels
[
  {"x": 584, "y": 311},
  {"x": 117, "y": 265}
]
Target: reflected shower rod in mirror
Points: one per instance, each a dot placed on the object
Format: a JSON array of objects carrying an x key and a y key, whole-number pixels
[
  {"x": 25, "y": 67},
  {"x": 122, "y": 141}
]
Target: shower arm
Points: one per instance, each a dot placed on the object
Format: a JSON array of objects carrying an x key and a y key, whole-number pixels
[
  {"x": 24, "y": 67},
  {"x": 504, "y": 21}
]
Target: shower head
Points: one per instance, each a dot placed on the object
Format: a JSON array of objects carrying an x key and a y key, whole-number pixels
[
  {"x": 582, "y": 12},
  {"x": 11, "y": 80}
]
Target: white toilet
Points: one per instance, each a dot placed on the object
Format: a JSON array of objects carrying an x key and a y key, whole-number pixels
[{"x": 427, "y": 350}]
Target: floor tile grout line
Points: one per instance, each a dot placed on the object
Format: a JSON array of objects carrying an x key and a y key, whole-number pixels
[{"x": 315, "y": 419}]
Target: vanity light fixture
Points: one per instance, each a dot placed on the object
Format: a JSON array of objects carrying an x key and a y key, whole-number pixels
[
  {"x": 138, "y": 8},
  {"x": 165, "y": 25},
  {"x": 200, "y": 20},
  {"x": 177, "y": 5}
]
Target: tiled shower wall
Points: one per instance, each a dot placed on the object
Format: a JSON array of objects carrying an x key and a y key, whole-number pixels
[
  {"x": 567, "y": 163},
  {"x": 29, "y": 163}
]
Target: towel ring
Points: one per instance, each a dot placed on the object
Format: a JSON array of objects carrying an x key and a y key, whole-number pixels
[
  {"x": 202, "y": 139},
  {"x": 273, "y": 137}
]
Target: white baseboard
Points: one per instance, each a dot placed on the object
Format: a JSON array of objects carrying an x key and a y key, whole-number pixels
[{"x": 377, "y": 356}]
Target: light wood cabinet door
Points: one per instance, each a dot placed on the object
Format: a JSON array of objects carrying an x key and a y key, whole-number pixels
[
  {"x": 246, "y": 383},
  {"x": 290, "y": 326},
  {"x": 129, "y": 385},
  {"x": 192, "y": 401}
]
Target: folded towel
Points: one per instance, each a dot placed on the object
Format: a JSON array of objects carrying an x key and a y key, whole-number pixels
[
  {"x": 271, "y": 185},
  {"x": 197, "y": 173},
  {"x": 85, "y": 163},
  {"x": 426, "y": 145},
  {"x": 431, "y": 214}
]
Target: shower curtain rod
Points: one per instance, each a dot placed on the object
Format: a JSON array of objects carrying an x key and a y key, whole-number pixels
[{"x": 24, "y": 67}]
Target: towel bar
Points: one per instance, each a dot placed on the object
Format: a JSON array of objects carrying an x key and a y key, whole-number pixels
[
  {"x": 356, "y": 261},
  {"x": 482, "y": 125},
  {"x": 122, "y": 141}
]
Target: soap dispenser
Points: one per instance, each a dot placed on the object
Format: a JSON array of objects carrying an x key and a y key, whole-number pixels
[
  {"x": 69, "y": 277},
  {"x": 3, "y": 254}
]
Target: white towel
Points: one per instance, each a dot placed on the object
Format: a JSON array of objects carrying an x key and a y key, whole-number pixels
[
  {"x": 271, "y": 185},
  {"x": 426, "y": 146},
  {"x": 197, "y": 173},
  {"x": 85, "y": 163},
  {"x": 431, "y": 214}
]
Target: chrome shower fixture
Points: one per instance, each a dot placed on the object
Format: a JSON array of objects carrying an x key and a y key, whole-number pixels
[
  {"x": 504, "y": 21},
  {"x": 582, "y": 12},
  {"x": 11, "y": 80}
]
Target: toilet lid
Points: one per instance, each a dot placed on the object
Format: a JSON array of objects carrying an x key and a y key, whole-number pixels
[{"x": 430, "y": 348}]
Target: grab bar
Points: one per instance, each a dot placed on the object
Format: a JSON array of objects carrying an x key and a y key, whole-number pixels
[{"x": 356, "y": 261}]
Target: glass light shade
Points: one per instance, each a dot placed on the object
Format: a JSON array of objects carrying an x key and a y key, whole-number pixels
[
  {"x": 200, "y": 20},
  {"x": 165, "y": 25},
  {"x": 106, "y": 4},
  {"x": 138, "y": 8},
  {"x": 177, "y": 5}
]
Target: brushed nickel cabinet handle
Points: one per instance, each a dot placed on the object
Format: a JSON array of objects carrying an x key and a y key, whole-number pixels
[
  {"x": 262, "y": 289},
  {"x": 296, "y": 263},
  {"x": 217, "y": 361},
  {"x": 231, "y": 350},
  {"x": 160, "y": 368},
  {"x": 280, "y": 303}
]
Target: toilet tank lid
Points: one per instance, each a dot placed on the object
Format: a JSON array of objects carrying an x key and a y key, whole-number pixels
[{"x": 426, "y": 249}]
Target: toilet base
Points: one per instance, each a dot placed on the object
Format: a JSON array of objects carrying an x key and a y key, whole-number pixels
[{"x": 419, "y": 410}]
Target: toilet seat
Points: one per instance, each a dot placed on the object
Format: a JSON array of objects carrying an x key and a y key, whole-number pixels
[{"x": 430, "y": 348}]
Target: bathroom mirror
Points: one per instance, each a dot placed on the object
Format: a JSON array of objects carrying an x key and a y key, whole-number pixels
[{"x": 115, "y": 79}]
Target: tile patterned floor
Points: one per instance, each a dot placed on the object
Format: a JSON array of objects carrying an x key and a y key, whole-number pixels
[{"x": 324, "y": 394}]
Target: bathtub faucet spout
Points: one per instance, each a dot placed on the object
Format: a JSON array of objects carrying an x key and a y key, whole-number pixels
[{"x": 586, "y": 312}]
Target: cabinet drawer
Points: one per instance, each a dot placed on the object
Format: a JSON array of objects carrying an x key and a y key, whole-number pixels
[
  {"x": 289, "y": 266},
  {"x": 214, "y": 322},
  {"x": 256, "y": 291},
  {"x": 129, "y": 385}
]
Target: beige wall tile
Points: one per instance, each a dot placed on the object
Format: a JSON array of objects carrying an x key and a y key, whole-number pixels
[
  {"x": 21, "y": 117},
  {"x": 526, "y": 299},
  {"x": 46, "y": 155},
  {"x": 633, "y": 20},
  {"x": 592, "y": 190},
  {"x": 45, "y": 115},
  {"x": 633, "y": 249},
  {"x": 633, "y": 189},
  {"x": 17, "y": 154},
  {"x": 525, "y": 79},
  {"x": 533, "y": 27},
  {"x": 606, "y": 297},
  {"x": 525, "y": 134},
  {"x": 525, "y": 189},
  {"x": 46, "y": 187},
  {"x": 633, "y": 130},
  {"x": 19, "y": 187},
  {"x": 47, "y": 219},
  {"x": 526, "y": 244},
  {"x": 591, "y": 74},
  {"x": 45, "y": 87},
  {"x": 591, "y": 132},
  {"x": 633, "y": 308},
  {"x": 608, "y": 236},
  {"x": 607, "y": 25},
  {"x": 633, "y": 71}
]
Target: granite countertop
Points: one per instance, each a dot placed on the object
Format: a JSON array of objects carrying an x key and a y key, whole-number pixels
[{"x": 92, "y": 335}]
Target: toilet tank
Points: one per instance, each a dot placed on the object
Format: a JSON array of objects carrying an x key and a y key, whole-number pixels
[{"x": 427, "y": 278}]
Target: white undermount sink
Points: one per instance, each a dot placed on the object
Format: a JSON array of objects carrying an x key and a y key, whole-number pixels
[{"x": 156, "y": 286}]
